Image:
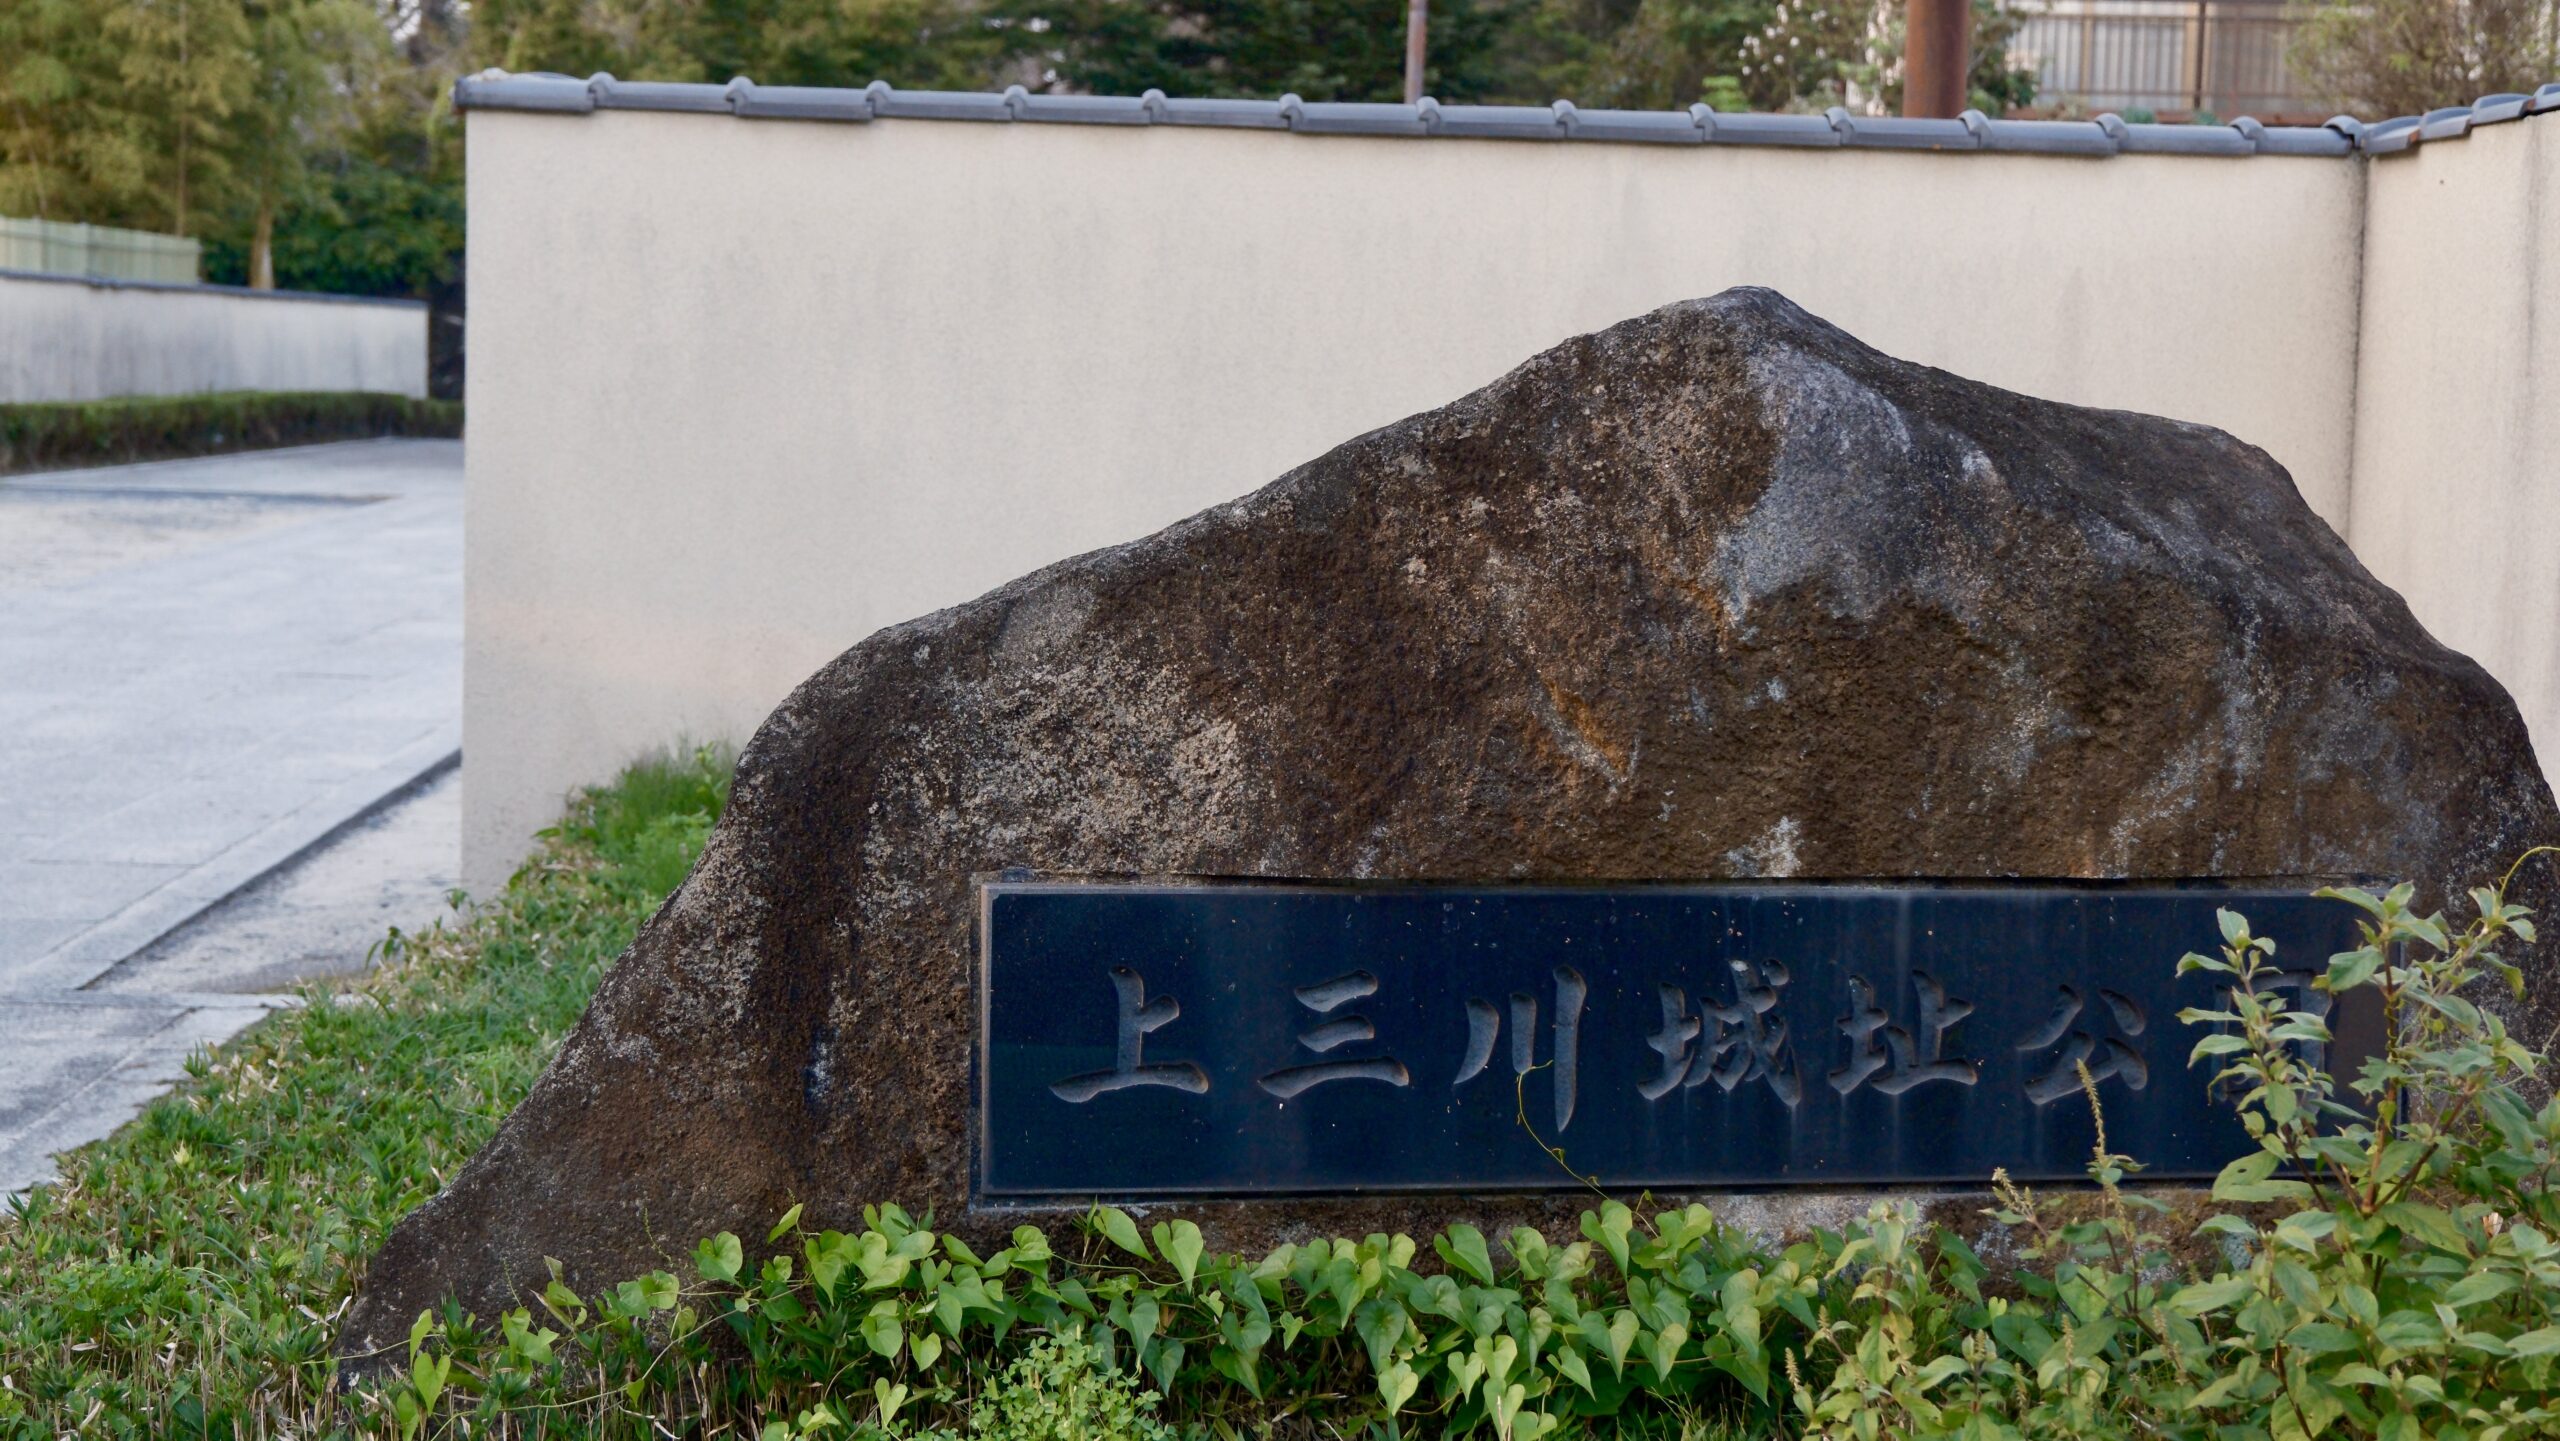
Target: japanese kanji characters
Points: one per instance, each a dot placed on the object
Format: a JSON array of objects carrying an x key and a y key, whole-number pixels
[{"x": 1139, "y": 1017}]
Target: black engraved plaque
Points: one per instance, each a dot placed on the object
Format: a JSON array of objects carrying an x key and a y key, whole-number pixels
[{"x": 1141, "y": 1040}]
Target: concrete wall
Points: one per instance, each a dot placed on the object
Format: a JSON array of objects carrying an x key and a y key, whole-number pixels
[
  {"x": 742, "y": 393},
  {"x": 65, "y": 338},
  {"x": 2456, "y": 498}
]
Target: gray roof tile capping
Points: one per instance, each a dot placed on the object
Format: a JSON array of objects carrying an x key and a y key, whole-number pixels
[
  {"x": 1698, "y": 125},
  {"x": 197, "y": 287}
]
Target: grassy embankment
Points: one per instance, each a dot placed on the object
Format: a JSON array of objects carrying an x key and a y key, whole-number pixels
[{"x": 184, "y": 1276}]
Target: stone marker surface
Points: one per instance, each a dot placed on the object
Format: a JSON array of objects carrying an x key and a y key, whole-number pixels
[
  {"x": 1718, "y": 592},
  {"x": 1178, "y": 1040}
]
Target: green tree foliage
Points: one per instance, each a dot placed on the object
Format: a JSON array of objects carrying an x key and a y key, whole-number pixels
[
  {"x": 1995, "y": 84},
  {"x": 2403, "y": 57},
  {"x": 1481, "y": 50},
  {"x": 376, "y": 207},
  {"x": 63, "y": 150},
  {"x": 1762, "y": 54},
  {"x": 1736, "y": 54},
  {"x": 1639, "y": 54},
  {"x": 919, "y": 44},
  {"x": 184, "y": 68},
  {"x": 117, "y": 109},
  {"x": 294, "y": 136},
  {"x": 1732, "y": 54},
  {"x": 383, "y": 217},
  {"x": 310, "y": 59}
]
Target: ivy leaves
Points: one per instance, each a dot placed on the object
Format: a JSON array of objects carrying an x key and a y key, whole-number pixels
[{"x": 2392, "y": 1272}]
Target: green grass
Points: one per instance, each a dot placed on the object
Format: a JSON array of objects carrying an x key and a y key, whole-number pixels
[
  {"x": 184, "y": 1277},
  {"x": 51, "y": 435}
]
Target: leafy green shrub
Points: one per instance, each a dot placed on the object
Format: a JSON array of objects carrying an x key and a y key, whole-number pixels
[
  {"x": 46, "y": 435},
  {"x": 1059, "y": 1391},
  {"x": 2406, "y": 57},
  {"x": 898, "y": 1316},
  {"x": 2408, "y": 1293},
  {"x": 2394, "y": 1275}
]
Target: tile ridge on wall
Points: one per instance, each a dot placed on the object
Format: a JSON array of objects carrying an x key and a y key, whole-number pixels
[
  {"x": 1698, "y": 125},
  {"x": 200, "y": 287}
]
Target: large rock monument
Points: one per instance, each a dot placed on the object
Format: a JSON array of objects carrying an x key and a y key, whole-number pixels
[{"x": 1717, "y": 593}]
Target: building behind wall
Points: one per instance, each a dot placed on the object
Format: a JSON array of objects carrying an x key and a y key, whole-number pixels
[
  {"x": 2174, "y": 59},
  {"x": 99, "y": 252}
]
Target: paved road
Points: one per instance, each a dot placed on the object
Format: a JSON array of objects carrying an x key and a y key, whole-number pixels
[{"x": 207, "y": 668}]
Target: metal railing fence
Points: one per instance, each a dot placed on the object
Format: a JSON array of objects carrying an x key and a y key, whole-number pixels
[
  {"x": 51, "y": 247},
  {"x": 2222, "y": 57}
]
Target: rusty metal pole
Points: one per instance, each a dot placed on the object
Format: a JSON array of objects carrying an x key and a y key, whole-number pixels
[
  {"x": 1417, "y": 30},
  {"x": 1935, "y": 58}
]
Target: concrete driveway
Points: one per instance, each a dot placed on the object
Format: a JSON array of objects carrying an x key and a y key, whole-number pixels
[{"x": 208, "y": 668}]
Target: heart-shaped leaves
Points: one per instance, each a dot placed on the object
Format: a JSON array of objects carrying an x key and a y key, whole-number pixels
[
  {"x": 890, "y": 1396},
  {"x": 1396, "y": 1386}
]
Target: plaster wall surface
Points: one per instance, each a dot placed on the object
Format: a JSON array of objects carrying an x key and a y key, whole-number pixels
[
  {"x": 743, "y": 392},
  {"x": 2457, "y": 462},
  {"x": 64, "y": 338}
]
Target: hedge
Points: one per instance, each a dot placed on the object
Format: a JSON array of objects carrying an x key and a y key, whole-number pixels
[{"x": 58, "y": 434}]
